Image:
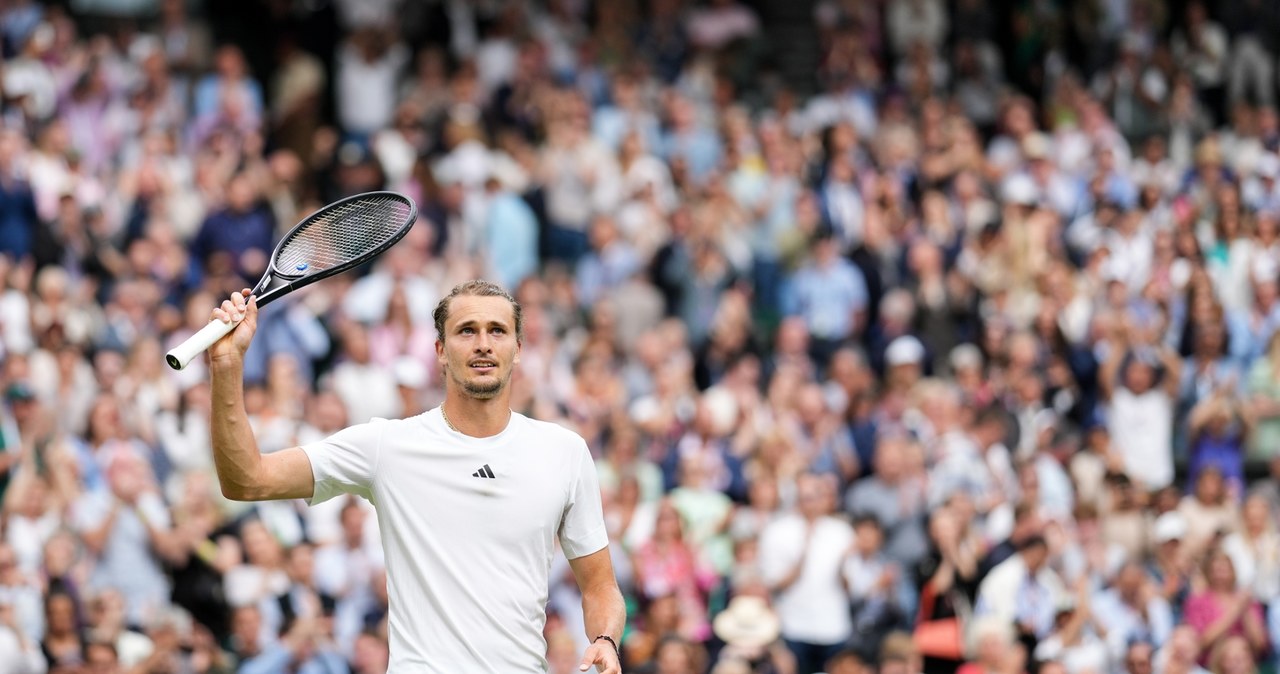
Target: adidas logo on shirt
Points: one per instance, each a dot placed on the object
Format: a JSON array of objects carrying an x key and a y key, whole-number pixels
[{"x": 485, "y": 471}]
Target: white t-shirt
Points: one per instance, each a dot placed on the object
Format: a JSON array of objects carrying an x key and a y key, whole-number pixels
[
  {"x": 469, "y": 527},
  {"x": 1141, "y": 429},
  {"x": 366, "y": 90},
  {"x": 815, "y": 608}
]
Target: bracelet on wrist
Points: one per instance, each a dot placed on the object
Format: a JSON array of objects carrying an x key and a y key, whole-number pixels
[{"x": 609, "y": 639}]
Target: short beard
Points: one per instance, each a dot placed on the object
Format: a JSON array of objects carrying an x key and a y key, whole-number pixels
[
  {"x": 478, "y": 390},
  {"x": 483, "y": 391}
]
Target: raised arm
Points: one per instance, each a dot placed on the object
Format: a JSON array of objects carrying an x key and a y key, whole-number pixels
[
  {"x": 1172, "y": 370},
  {"x": 244, "y": 473},
  {"x": 1117, "y": 349}
]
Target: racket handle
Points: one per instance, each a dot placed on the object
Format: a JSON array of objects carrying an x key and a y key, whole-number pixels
[{"x": 182, "y": 354}]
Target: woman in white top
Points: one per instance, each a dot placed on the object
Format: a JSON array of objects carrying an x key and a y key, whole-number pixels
[{"x": 1255, "y": 549}]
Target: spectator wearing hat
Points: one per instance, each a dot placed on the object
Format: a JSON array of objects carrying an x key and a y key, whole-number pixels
[
  {"x": 750, "y": 630},
  {"x": 895, "y": 317},
  {"x": 904, "y": 362},
  {"x": 1170, "y": 564}
]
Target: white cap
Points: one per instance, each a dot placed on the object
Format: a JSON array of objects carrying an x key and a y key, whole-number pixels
[
  {"x": 1036, "y": 146},
  {"x": 965, "y": 356},
  {"x": 723, "y": 407},
  {"x": 905, "y": 350},
  {"x": 747, "y": 622},
  {"x": 1169, "y": 527},
  {"x": 1020, "y": 189}
]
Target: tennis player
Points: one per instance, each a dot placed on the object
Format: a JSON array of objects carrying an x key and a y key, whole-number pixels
[{"x": 470, "y": 497}]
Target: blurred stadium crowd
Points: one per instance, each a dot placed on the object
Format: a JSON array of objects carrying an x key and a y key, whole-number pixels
[{"x": 959, "y": 354}]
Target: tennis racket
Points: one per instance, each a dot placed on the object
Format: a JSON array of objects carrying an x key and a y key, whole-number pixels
[{"x": 336, "y": 238}]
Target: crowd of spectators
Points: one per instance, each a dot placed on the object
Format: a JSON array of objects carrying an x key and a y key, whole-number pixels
[{"x": 961, "y": 357}]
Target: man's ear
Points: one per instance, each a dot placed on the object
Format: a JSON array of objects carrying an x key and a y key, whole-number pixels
[{"x": 440, "y": 351}]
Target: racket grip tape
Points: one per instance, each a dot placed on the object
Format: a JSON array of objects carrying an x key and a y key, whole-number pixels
[{"x": 184, "y": 353}]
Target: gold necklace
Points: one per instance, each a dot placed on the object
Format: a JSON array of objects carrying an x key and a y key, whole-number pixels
[
  {"x": 446, "y": 420},
  {"x": 448, "y": 423}
]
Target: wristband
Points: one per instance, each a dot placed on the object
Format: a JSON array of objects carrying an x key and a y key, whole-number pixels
[{"x": 613, "y": 643}]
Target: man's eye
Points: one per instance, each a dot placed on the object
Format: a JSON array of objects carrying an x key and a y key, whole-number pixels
[
  {"x": 467, "y": 331},
  {"x": 498, "y": 331}
]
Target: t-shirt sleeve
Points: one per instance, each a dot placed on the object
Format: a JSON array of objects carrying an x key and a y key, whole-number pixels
[
  {"x": 776, "y": 558},
  {"x": 582, "y": 529},
  {"x": 344, "y": 462}
]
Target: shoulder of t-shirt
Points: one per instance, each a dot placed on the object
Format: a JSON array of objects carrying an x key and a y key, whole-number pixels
[
  {"x": 559, "y": 436},
  {"x": 376, "y": 422},
  {"x": 782, "y": 523},
  {"x": 358, "y": 433}
]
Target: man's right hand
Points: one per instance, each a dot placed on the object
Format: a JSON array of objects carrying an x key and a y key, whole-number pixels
[{"x": 239, "y": 307}]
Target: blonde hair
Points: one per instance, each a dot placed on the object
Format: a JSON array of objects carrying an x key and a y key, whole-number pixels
[{"x": 983, "y": 628}]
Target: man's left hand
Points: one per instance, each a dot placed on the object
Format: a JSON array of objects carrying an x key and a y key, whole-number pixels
[{"x": 602, "y": 655}]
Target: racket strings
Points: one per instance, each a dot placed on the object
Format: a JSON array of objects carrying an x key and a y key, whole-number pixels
[{"x": 343, "y": 234}]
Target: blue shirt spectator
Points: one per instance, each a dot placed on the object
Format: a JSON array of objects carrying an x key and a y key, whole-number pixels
[
  {"x": 829, "y": 292},
  {"x": 511, "y": 231},
  {"x": 244, "y": 231},
  {"x": 18, "y": 218},
  {"x": 611, "y": 262},
  {"x": 690, "y": 141}
]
